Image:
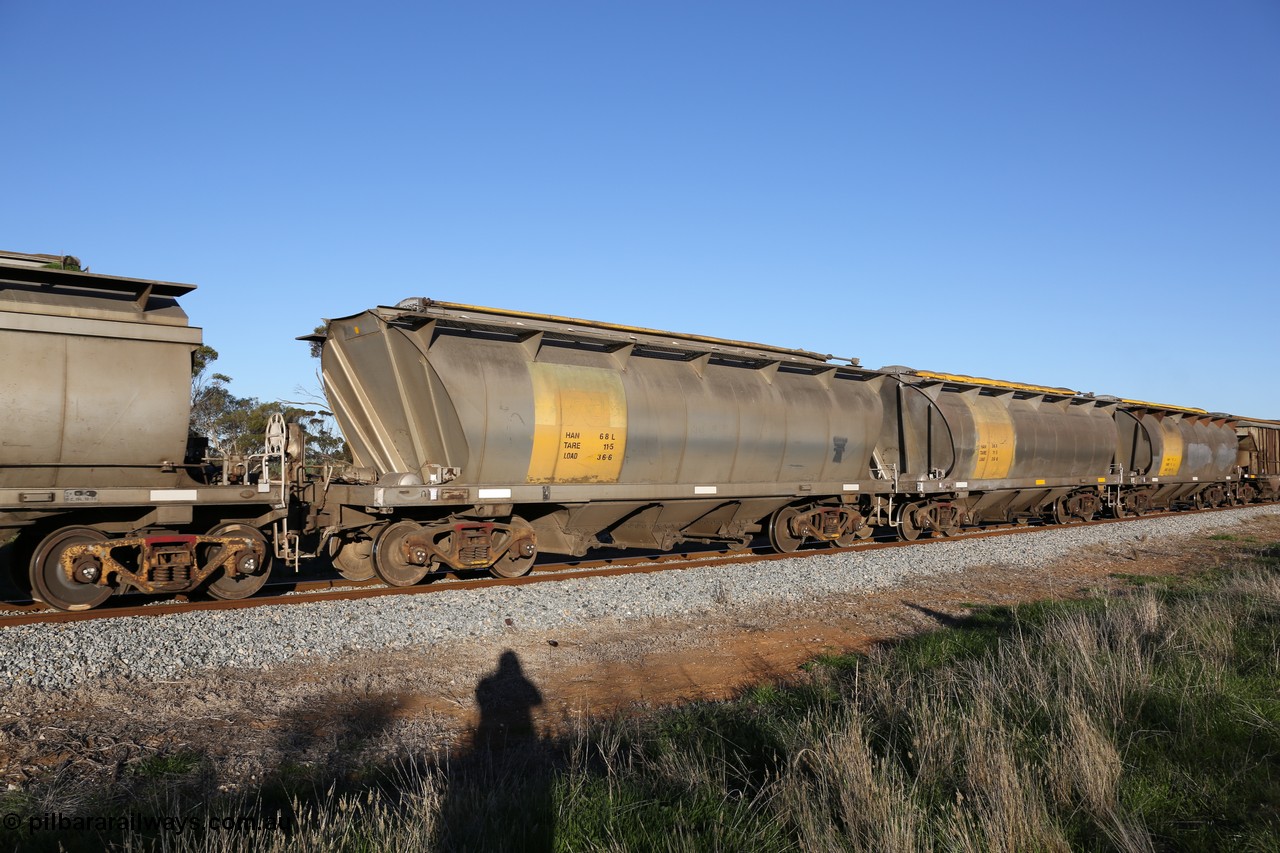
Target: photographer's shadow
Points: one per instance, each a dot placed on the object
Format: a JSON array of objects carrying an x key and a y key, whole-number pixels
[
  {"x": 500, "y": 793},
  {"x": 506, "y": 699}
]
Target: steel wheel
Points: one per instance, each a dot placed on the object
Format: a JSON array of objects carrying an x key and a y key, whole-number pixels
[
  {"x": 49, "y": 583},
  {"x": 257, "y": 565},
  {"x": 353, "y": 558},
  {"x": 1066, "y": 510},
  {"x": 389, "y": 560},
  {"x": 780, "y": 536},
  {"x": 518, "y": 561},
  {"x": 907, "y": 527},
  {"x": 1061, "y": 513}
]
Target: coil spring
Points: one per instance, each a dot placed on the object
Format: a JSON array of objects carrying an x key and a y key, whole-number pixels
[
  {"x": 164, "y": 571},
  {"x": 169, "y": 574}
]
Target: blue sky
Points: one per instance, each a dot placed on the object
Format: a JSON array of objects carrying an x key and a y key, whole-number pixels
[{"x": 1082, "y": 194}]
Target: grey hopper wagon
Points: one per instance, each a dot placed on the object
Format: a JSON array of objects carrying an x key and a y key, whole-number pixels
[
  {"x": 970, "y": 450},
  {"x": 487, "y": 431},
  {"x": 95, "y": 390}
]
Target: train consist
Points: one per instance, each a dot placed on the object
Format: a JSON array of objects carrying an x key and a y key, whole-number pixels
[{"x": 481, "y": 437}]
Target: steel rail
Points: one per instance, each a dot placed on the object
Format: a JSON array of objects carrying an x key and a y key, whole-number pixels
[{"x": 307, "y": 592}]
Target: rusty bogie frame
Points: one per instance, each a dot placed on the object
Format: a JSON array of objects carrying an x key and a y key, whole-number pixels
[
  {"x": 838, "y": 525},
  {"x": 464, "y": 544},
  {"x": 1215, "y": 494},
  {"x": 161, "y": 563},
  {"x": 1077, "y": 506},
  {"x": 930, "y": 517}
]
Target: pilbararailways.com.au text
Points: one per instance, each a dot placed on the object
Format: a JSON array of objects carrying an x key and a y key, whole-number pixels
[{"x": 57, "y": 822}]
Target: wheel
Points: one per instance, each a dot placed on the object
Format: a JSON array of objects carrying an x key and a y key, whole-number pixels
[
  {"x": 780, "y": 536},
  {"x": 1067, "y": 510},
  {"x": 353, "y": 558},
  {"x": 907, "y": 526},
  {"x": 518, "y": 561},
  {"x": 389, "y": 560},
  {"x": 49, "y": 583},
  {"x": 256, "y": 565},
  {"x": 1061, "y": 512}
]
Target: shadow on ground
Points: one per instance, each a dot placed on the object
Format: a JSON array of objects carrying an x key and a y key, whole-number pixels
[{"x": 492, "y": 792}]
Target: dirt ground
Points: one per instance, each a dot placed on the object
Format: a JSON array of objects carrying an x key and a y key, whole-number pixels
[{"x": 245, "y": 726}]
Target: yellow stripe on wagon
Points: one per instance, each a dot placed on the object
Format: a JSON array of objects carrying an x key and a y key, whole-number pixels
[
  {"x": 996, "y": 440},
  {"x": 580, "y": 424},
  {"x": 1171, "y": 460}
]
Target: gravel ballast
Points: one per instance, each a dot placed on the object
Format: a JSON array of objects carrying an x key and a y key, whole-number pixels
[{"x": 163, "y": 647}]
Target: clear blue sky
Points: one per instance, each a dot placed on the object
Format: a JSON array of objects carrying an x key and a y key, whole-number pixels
[{"x": 1083, "y": 194}]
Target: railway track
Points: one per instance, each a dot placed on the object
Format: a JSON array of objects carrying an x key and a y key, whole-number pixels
[{"x": 307, "y": 592}]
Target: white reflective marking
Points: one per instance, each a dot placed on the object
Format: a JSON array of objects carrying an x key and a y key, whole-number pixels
[
  {"x": 851, "y": 487},
  {"x": 174, "y": 494},
  {"x": 704, "y": 490},
  {"x": 494, "y": 493},
  {"x": 962, "y": 484}
]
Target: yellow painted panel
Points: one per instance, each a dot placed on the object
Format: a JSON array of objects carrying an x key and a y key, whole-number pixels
[
  {"x": 996, "y": 442},
  {"x": 580, "y": 424},
  {"x": 1171, "y": 461}
]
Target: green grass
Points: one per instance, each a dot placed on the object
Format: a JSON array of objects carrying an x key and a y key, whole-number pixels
[{"x": 168, "y": 764}]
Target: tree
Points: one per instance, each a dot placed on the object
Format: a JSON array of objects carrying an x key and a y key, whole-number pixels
[
  {"x": 237, "y": 426},
  {"x": 318, "y": 346},
  {"x": 66, "y": 262}
]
